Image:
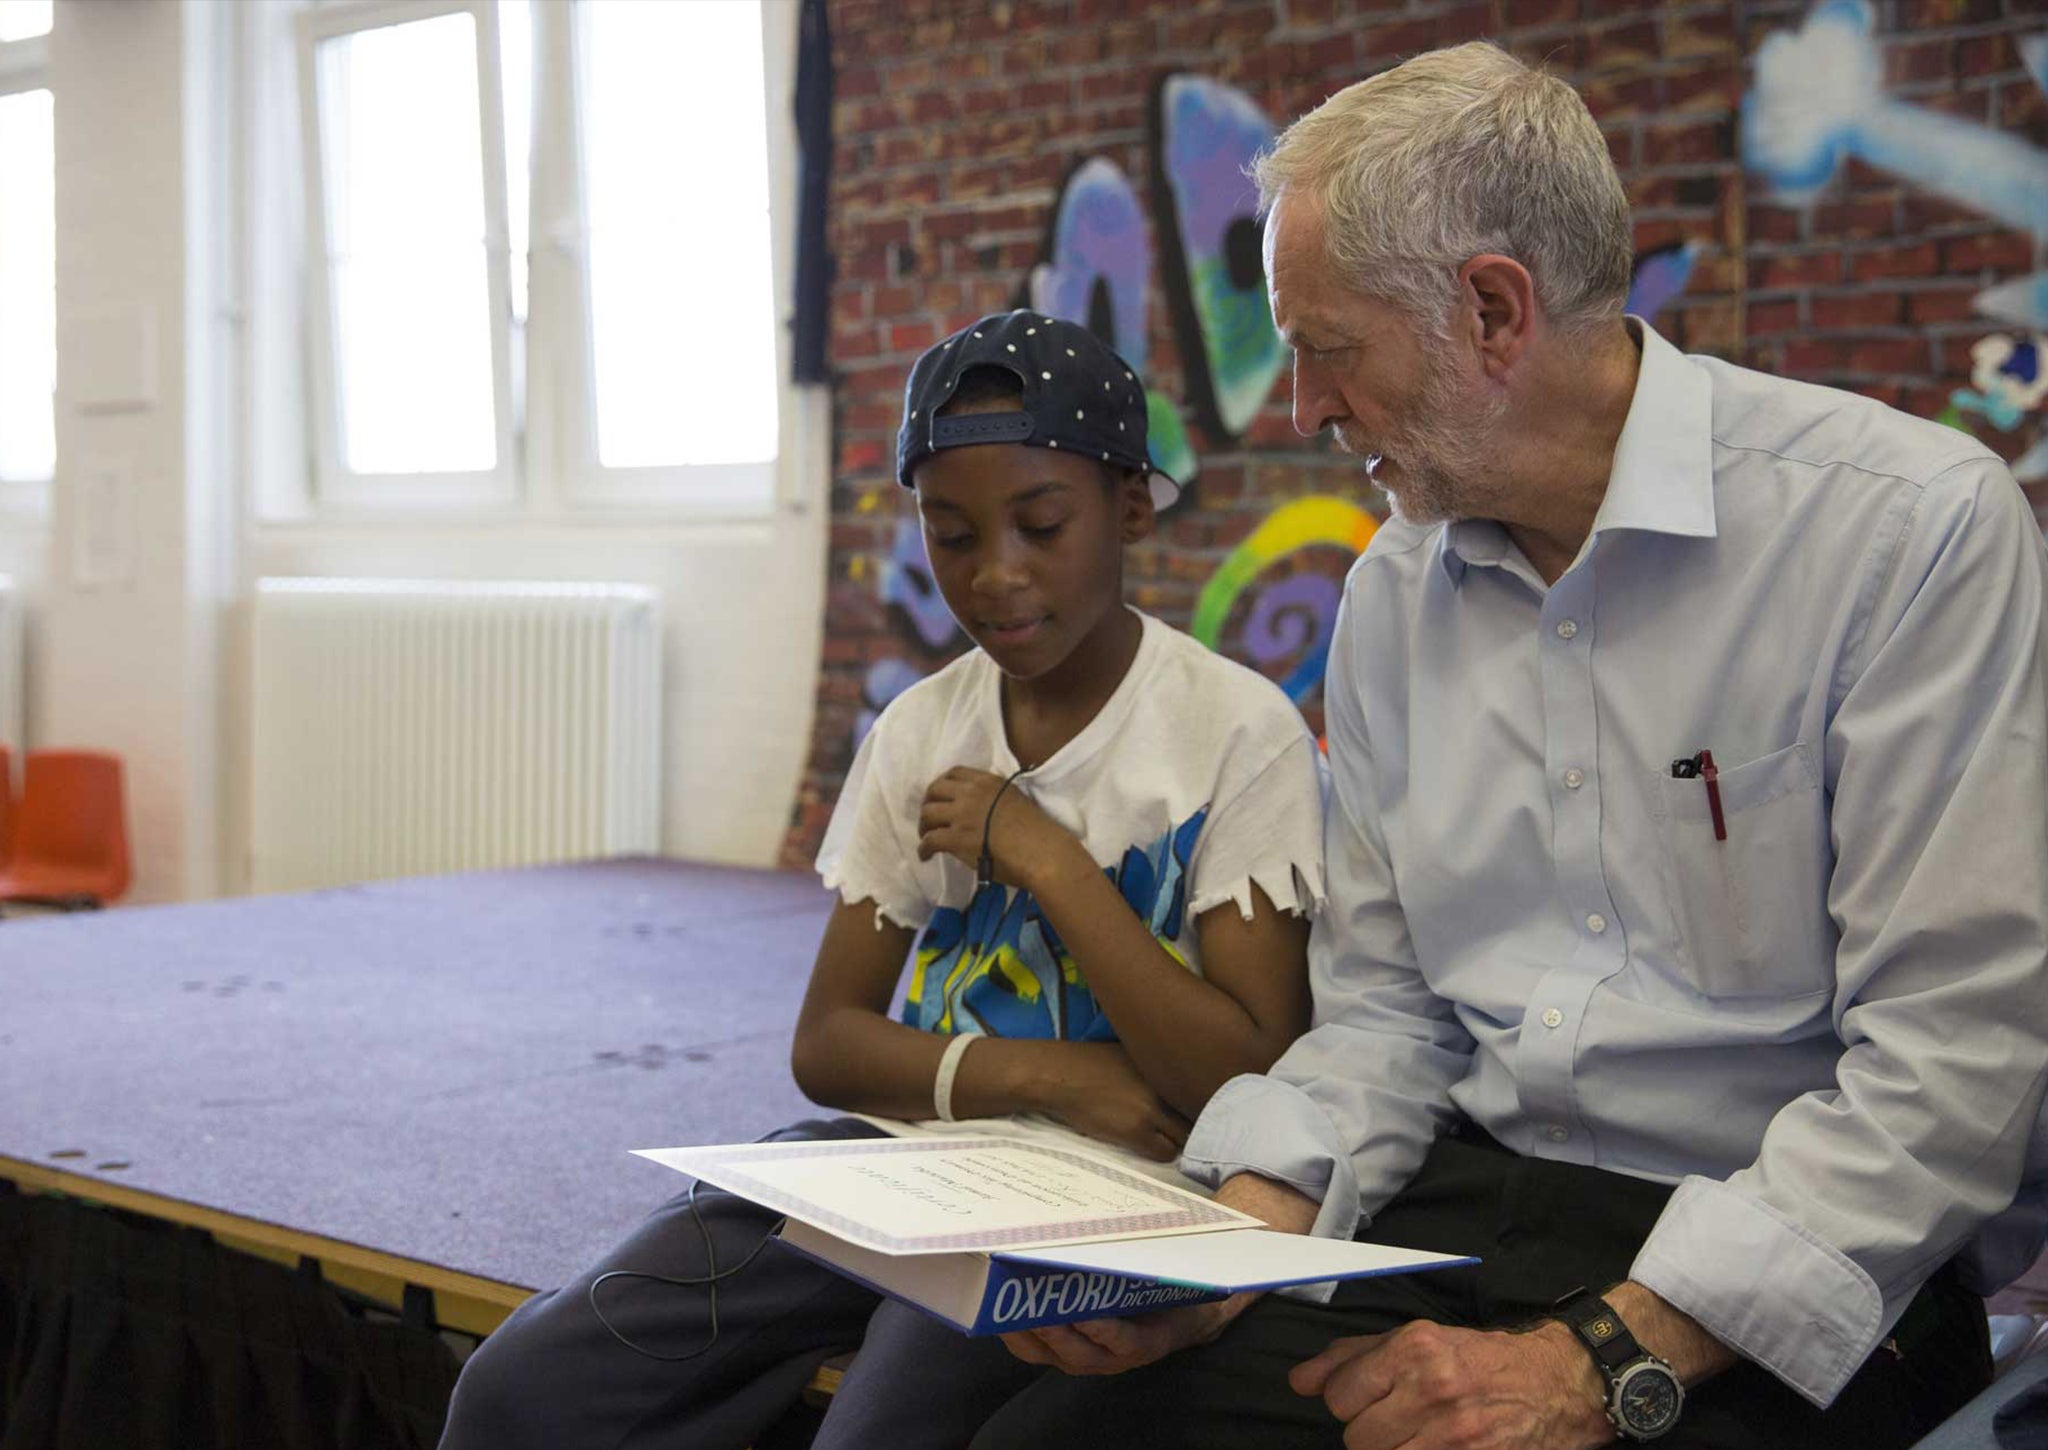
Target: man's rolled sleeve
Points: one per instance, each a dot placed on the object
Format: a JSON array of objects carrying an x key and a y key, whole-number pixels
[
  {"x": 1763, "y": 1286},
  {"x": 1261, "y": 1125}
]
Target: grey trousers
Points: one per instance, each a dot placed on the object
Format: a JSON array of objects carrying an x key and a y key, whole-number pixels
[{"x": 553, "y": 1377}]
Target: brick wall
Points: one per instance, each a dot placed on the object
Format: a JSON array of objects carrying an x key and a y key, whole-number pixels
[{"x": 957, "y": 120}]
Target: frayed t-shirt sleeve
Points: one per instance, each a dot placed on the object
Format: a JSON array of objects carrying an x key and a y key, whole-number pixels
[
  {"x": 868, "y": 854},
  {"x": 1268, "y": 833}
]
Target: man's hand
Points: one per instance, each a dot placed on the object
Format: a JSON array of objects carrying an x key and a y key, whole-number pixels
[
  {"x": 1431, "y": 1387},
  {"x": 1112, "y": 1346},
  {"x": 1024, "y": 843}
]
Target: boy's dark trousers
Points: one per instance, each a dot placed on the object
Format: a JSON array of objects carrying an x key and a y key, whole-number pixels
[
  {"x": 1542, "y": 1230},
  {"x": 553, "y": 1377}
]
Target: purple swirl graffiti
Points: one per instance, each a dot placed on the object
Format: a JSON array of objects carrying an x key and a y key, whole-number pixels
[{"x": 1293, "y": 615}]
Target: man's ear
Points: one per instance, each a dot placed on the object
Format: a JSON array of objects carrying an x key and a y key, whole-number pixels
[
  {"x": 1499, "y": 298},
  {"x": 1135, "y": 514}
]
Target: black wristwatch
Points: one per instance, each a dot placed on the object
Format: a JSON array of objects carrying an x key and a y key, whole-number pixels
[{"x": 1643, "y": 1392}]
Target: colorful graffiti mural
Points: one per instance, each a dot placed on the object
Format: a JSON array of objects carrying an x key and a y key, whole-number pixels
[
  {"x": 1098, "y": 266},
  {"x": 907, "y": 583},
  {"x": 2006, "y": 375},
  {"x": 884, "y": 681},
  {"x": 2006, "y": 378},
  {"x": 908, "y": 587},
  {"x": 1204, "y": 135},
  {"x": 1661, "y": 275},
  {"x": 1098, "y": 260},
  {"x": 1294, "y": 615},
  {"x": 1097, "y": 272},
  {"x": 1819, "y": 99}
]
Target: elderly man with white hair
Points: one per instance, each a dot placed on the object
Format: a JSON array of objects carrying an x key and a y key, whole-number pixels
[{"x": 1685, "y": 958}]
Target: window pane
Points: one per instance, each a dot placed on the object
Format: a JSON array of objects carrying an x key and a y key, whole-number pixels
[
  {"x": 28, "y": 289},
  {"x": 681, "y": 273},
  {"x": 515, "y": 61},
  {"x": 21, "y": 19},
  {"x": 402, "y": 150}
]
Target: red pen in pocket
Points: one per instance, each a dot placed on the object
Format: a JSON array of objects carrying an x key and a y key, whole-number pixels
[
  {"x": 1713, "y": 779},
  {"x": 1701, "y": 767}
]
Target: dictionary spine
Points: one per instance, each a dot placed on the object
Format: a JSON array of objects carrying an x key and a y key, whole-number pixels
[{"x": 1030, "y": 1296}]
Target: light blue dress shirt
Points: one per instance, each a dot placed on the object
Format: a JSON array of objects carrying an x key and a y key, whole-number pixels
[{"x": 1830, "y": 1028}]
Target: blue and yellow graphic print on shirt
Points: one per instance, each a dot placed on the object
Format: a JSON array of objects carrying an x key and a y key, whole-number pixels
[{"x": 1000, "y": 969}]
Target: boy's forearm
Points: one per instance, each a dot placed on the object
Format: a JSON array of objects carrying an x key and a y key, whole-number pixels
[
  {"x": 860, "y": 1061},
  {"x": 1186, "y": 1035}
]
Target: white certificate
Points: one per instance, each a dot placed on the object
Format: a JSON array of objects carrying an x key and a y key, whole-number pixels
[{"x": 931, "y": 1195}]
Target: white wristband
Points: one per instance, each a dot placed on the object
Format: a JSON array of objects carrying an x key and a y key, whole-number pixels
[{"x": 942, "y": 1085}]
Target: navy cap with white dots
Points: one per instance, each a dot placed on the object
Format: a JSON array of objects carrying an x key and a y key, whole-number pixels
[{"x": 1077, "y": 394}]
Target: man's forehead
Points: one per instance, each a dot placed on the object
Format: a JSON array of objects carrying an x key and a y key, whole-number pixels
[
  {"x": 1299, "y": 280},
  {"x": 1293, "y": 232}
]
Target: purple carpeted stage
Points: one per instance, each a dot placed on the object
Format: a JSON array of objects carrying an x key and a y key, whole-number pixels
[{"x": 448, "y": 1070}]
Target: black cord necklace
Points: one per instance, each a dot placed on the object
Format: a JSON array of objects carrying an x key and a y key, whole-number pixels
[{"x": 985, "y": 868}]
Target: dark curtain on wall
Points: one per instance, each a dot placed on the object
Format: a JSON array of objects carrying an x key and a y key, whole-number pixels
[
  {"x": 121, "y": 1332},
  {"x": 812, "y": 323}
]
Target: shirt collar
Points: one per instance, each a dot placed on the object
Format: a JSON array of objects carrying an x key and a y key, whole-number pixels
[{"x": 1662, "y": 478}]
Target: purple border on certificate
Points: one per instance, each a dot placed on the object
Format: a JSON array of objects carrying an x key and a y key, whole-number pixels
[{"x": 1179, "y": 1209}]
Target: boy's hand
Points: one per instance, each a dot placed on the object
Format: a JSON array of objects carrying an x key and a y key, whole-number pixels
[
  {"x": 1025, "y": 844},
  {"x": 1101, "y": 1093}
]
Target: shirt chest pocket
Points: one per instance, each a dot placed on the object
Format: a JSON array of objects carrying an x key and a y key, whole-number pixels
[{"x": 1749, "y": 913}]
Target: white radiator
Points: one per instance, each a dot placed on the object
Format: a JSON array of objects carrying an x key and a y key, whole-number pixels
[{"x": 403, "y": 728}]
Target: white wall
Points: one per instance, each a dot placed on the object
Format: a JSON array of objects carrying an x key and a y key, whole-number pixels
[
  {"x": 160, "y": 190},
  {"x": 118, "y": 625}
]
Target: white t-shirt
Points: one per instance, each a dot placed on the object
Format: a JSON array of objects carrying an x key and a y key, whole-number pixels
[{"x": 1194, "y": 781}]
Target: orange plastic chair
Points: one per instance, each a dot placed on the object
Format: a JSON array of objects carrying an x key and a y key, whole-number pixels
[
  {"x": 70, "y": 832},
  {"x": 6, "y": 807}
]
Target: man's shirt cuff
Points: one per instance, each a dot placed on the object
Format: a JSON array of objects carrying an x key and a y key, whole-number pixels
[
  {"x": 1257, "y": 1124},
  {"x": 1762, "y": 1285}
]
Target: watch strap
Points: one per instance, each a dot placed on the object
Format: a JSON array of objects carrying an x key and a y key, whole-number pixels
[
  {"x": 1600, "y": 1329},
  {"x": 1617, "y": 1355}
]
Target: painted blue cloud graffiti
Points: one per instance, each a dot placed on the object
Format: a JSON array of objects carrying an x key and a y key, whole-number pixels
[{"x": 1819, "y": 99}]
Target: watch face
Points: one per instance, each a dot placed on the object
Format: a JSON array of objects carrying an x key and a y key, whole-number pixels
[{"x": 1647, "y": 1400}]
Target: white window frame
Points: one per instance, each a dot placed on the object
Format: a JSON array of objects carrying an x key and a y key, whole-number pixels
[
  {"x": 335, "y": 484},
  {"x": 562, "y": 422},
  {"x": 548, "y": 467},
  {"x": 25, "y": 66}
]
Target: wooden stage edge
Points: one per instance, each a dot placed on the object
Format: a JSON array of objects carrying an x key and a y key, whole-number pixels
[{"x": 461, "y": 1301}]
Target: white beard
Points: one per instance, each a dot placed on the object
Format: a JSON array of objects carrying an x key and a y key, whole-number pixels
[{"x": 1442, "y": 453}]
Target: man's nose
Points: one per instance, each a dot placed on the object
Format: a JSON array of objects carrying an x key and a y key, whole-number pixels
[{"x": 1316, "y": 404}]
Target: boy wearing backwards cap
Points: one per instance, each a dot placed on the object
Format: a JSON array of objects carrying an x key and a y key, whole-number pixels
[{"x": 1104, "y": 843}]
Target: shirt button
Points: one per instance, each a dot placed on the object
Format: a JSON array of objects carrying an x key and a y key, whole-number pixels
[
  {"x": 1574, "y": 778},
  {"x": 1567, "y": 628},
  {"x": 1558, "y": 1135},
  {"x": 1552, "y": 1017},
  {"x": 1596, "y": 923}
]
